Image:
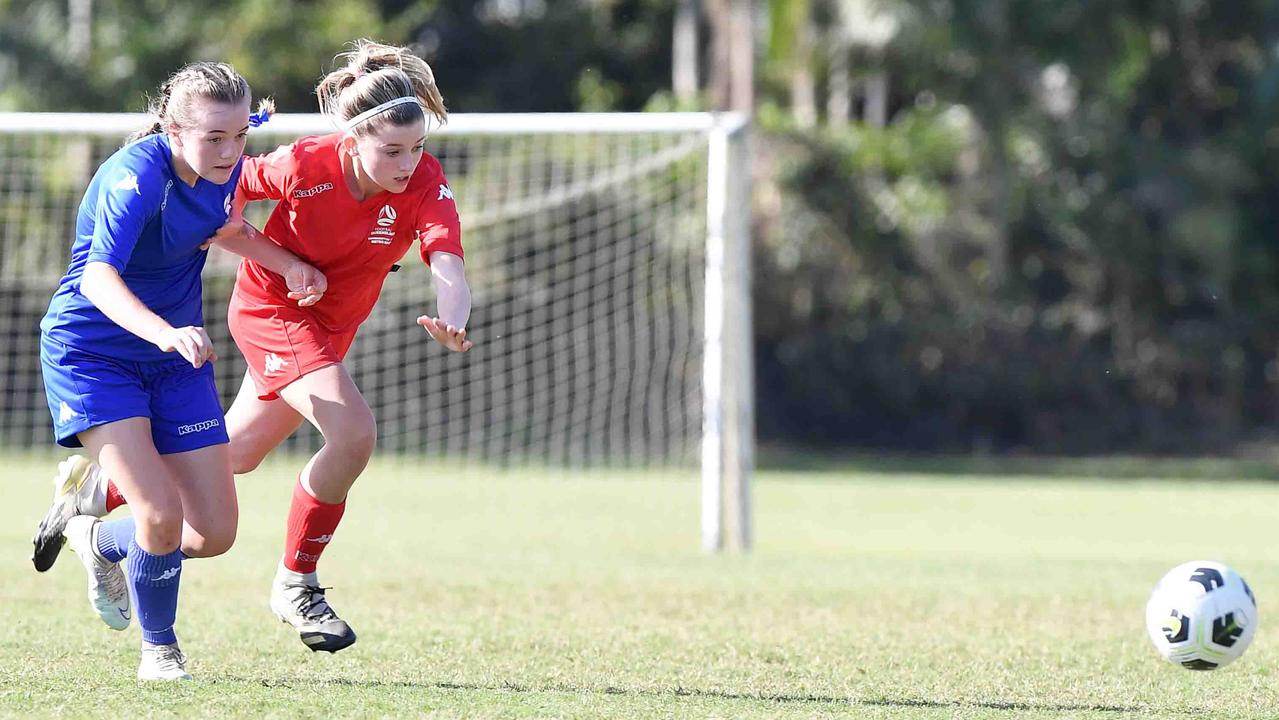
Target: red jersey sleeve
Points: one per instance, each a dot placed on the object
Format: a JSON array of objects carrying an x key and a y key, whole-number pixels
[
  {"x": 267, "y": 177},
  {"x": 437, "y": 225}
]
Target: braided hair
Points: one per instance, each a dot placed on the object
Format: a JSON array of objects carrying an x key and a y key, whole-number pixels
[{"x": 212, "y": 80}]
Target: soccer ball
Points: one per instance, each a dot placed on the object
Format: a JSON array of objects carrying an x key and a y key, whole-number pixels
[{"x": 1201, "y": 615}]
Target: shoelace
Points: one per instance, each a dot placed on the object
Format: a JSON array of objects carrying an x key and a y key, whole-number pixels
[
  {"x": 311, "y": 603},
  {"x": 115, "y": 583},
  {"x": 169, "y": 657}
]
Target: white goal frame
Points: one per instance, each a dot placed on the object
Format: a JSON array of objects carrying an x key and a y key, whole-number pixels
[{"x": 727, "y": 446}]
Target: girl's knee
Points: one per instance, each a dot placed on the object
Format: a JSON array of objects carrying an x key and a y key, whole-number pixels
[
  {"x": 158, "y": 527},
  {"x": 206, "y": 545},
  {"x": 356, "y": 436}
]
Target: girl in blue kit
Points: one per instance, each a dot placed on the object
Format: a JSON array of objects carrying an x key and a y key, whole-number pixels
[{"x": 128, "y": 366}]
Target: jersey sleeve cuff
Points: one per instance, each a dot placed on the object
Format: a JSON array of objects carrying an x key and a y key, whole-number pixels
[{"x": 108, "y": 259}]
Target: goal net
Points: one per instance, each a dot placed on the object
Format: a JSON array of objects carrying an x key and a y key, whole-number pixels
[{"x": 607, "y": 257}]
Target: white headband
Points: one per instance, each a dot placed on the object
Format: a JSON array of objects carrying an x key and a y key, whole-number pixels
[{"x": 350, "y": 124}]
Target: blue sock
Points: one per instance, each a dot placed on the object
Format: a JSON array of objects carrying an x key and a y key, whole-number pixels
[
  {"x": 154, "y": 579},
  {"x": 114, "y": 538}
]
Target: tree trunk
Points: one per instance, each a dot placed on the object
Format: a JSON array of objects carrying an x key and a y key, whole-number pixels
[
  {"x": 876, "y": 111},
  {"x": 839, "y": 100},
  {"x": 719, "y": 14},
  {"x": 732, "y": 71},
  {"x": 79, "y": 30},
  {"x": 803, "y": 89},
  {"x": 998, "y": 112},
  {"x": 684, "y": 53},
  {"x": 742, "y": 56}
]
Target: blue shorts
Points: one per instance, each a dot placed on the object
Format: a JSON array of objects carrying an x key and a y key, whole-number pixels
[{"x": 86, "y": 390}]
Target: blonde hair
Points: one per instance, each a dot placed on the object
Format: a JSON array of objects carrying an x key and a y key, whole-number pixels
[
  {"x": 211, "y": 80},
  {"x": 374, "y": 74}
]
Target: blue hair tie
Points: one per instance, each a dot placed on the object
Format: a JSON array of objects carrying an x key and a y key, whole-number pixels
[{"x": 256, "y": 119}]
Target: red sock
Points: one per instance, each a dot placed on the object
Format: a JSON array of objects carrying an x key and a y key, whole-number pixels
[
  {"x": 114, "y": 498},
  {"x": 310, "y": 528}
]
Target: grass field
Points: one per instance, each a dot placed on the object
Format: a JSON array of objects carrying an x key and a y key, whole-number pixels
[{"x": 878, "y": 594}]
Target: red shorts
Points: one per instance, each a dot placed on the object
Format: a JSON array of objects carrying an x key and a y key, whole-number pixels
[{"x": 281, "y": 343}]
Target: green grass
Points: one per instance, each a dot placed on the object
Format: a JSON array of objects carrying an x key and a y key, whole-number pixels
[{"x": 868, "y": 595}]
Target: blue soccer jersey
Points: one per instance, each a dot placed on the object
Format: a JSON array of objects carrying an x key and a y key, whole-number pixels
[{"x": 142, "y": 219}]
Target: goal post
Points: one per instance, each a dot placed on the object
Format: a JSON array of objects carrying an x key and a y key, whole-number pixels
[
  {"x": 609, "y": 258},
  {"x": 728, "y": 368}
]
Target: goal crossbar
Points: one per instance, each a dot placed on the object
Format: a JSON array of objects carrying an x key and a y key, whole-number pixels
[{"x": 459, "y": 124}]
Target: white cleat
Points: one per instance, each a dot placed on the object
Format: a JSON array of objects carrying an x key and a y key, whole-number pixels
[
  {"x": 305, "y": 608},
  {"x": 108, "y": 589},
  {"x": 77, "y": 490},
  {"x": 162, "y": 662}
]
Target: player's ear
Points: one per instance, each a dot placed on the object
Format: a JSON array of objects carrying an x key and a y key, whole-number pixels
[
  {"x": 348, "y": 144},
  {"x": 174, "y": 132}
]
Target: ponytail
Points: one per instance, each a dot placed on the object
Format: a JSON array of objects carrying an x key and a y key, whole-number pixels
[{"x": 376, "y": 75}]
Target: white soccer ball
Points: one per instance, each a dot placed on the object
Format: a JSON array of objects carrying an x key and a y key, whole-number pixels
[{"x": 1201, "y": 615}]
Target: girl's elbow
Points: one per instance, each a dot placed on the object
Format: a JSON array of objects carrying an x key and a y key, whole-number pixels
[{"x": 89, "y": 283}]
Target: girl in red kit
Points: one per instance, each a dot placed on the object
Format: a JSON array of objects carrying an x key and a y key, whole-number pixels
[{"x": 351, "y": 204}]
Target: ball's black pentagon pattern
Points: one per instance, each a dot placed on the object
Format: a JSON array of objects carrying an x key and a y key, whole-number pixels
[
  {"x": 1177, "y": 628},
  {"x": 1210, "y": 578},
  {"x": 1199, "y": 664},
  {"x": 1225, "y": 631},
  {"x": 1248, "y": 589}
]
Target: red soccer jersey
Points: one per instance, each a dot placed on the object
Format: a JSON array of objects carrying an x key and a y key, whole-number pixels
[{"x": 354, "y": 243}]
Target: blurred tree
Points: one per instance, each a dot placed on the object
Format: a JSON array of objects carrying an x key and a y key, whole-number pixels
[
  {"x": 684, "y": 52},
  {"x": 1047, "y": 245},
  {"x": 980, "y": 223},
  {"x": 107, "y": 55},
  {"x": 790, "y": 50},
  {"x": 536, "y": 56}
]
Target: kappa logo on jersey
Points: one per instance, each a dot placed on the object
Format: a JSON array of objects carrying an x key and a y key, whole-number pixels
[
  {"x": 384, "y": 233},
  {"x": 65, "y": 413},
  {"x": 274, "y": 363},
  {"x": 226, "y": 205},
  {"x": 445, "y": 192},
  {"x": 128, "y": 182},
  {"x": 165, "y": 202},
  {"x": 322, "y": 187}
]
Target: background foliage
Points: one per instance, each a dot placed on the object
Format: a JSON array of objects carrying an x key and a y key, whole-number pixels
[{"x": 979, "y": 224}]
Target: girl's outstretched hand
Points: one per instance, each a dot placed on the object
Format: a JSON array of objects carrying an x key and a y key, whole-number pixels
[{"x": 453, "y": 338}]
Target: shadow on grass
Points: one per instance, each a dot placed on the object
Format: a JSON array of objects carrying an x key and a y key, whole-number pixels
[{"x": 682, "y": 692}]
